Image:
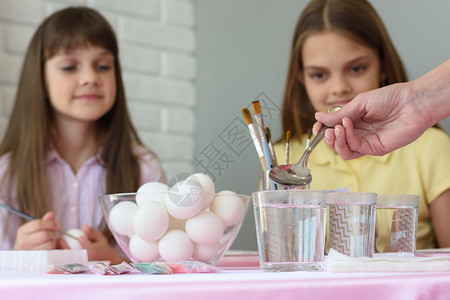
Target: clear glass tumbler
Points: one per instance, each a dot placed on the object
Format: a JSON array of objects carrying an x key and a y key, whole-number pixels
[
  {"x": 396, "y": 224},
  {"x": 290, "y": 227},
  {"x": 351, "y": 223}
]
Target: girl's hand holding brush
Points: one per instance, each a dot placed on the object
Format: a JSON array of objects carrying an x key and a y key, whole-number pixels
[{"x": 40, "y": 234}]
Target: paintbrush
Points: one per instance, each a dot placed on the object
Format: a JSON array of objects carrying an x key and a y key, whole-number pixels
[
  {"x": 269, "y": 143},
  {"x": 251, "y": 127},
  {"x": 28, "y": 217},
  {"x": 288, "y": 138},
  {"x": 262, "y": 135}
]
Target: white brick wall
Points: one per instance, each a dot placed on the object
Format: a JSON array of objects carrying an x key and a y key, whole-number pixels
[{"x": 157, "y": 45}]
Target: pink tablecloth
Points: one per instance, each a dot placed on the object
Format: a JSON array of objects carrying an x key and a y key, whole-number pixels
[{"x": 229, "y": 284}]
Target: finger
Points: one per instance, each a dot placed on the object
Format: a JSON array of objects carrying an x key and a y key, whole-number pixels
[
  {"x": 91, "y": 233},
  {"x": 329, "y": 119},
  {"x": 329, "y": 137},
  {"x": 61, "y": 243},
  {"x": 353, "y": 110},
  {"x": 84, "y": 242},
  {"x": 43, "y": 239},
  {"x": 38, "y": 234},
  {"x": 49, "y": 216},
  {"x": 34, "y": 227},
  {"x": 341, "y": 146},
  {"x": 354, "y": 142},
  {"x": 92, "y": 236},
  {"x": 46, "y": 223},
  {"x": 95, "y": 243},
  {"x": 316, "y": 127},
  {"x": 49, "y": 245}
]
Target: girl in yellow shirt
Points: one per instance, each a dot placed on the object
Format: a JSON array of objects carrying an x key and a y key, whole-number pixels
[{"x": 339, "y": 50}]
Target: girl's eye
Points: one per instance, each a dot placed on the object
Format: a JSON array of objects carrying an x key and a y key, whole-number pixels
[
  {"x": 357, "y": 69},
  {"x": 68, "y": 68},
  {"x": 318, "y": 75},
  {"x": 103, "y": 67}
]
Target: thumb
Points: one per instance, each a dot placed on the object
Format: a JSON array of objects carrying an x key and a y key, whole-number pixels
[
  {"x": 353, "y": 110},
  {"x": 330, "y": 119},
  {"x": 49, "y": 216},
  {"x": 91, "y": 233}
]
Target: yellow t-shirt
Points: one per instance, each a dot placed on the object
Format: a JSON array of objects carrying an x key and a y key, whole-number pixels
[{"x": 421, "y": 168}]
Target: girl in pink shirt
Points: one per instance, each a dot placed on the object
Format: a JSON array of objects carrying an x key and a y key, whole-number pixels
[{"x": 70, "y": 138}]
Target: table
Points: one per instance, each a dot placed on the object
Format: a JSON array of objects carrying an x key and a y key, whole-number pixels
[{"x": 240, "y": 282}]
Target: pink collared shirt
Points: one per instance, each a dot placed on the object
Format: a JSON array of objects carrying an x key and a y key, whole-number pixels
[{"x": 73, "y": 197}]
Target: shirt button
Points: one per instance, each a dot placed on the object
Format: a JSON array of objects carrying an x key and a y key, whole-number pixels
[
  {"x": 73, "y": 209},
  {"x": 75, "y": 184}
]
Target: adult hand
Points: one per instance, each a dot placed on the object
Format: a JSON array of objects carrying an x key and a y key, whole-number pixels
[
  {"x": 375, "y": 123},
  {"x": 40, "y": 234},
  {"x": 380, "y": 121}
]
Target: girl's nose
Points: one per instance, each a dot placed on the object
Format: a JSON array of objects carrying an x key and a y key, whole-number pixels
[
  {"x": 88, "y": 76},
  {"x": 341, "y": 86}
]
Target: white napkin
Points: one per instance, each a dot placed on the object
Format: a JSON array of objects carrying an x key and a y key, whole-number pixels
[{"x": 338, "y": 262}]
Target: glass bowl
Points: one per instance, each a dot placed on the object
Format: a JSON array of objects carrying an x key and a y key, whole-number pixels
[{"x": 146, "y": 230}]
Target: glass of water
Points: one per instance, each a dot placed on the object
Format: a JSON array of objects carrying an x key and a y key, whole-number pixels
[
  {"x": 290, "y": 227},
  {"x": 396, "y": 224},
  {"x": 351, "y": 223}
]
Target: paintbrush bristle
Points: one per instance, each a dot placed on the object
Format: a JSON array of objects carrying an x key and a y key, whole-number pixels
[
  {"x": 247, "y": 115},
  {"x": 268, "y": 135},
  {"x": 288, "y": 136},
  {"x": 256, "y": 107}
]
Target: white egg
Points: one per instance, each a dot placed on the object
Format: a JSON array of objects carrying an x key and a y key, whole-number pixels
[
  {"x": 121, "y": 217},
  {"x": 142, "y": 250},
  {"x": 226, "y": 193},
  {"x": 152, "y": 191},
  {"x": 184, "y": 199},
  {"x": 151, "y": 221},
  {"x": 73, "y": 243},
  {"x": 208, "y": 188},
  {"x": 228, "y": 206},
  {"x": 175, "y": 245},
  {"x": 205, "y": 253},
  {"x": 205, "y": 228}
]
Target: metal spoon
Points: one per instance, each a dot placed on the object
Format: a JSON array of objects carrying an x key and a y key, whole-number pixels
[{"x": 297, "y": 174}]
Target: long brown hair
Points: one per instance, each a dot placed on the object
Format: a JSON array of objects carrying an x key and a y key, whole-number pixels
[
  {"x": 355, "y": 18},
  {"x": 31, "y": 126}
]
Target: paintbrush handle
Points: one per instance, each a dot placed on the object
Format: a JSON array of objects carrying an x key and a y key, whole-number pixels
[
  {"x": 287, "y": 153},
  {"x": 19, "y": 213},
  {"x": 262, "y": 160},
  {"x": 29, "y": 218},
  {"x": 267, "y": 155},
  {"x": 258, "y": 146},
  {"x": 262, "y": 136},
  {"x": 272, "y": 154}
]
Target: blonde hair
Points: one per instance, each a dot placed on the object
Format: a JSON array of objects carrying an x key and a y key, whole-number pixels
[{"x": 355, "y": 18}]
